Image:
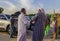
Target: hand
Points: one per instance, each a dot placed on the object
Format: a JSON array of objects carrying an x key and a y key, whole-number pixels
[{"x": 31, "y": 21}]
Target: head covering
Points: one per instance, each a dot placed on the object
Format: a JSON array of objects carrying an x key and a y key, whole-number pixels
[{"x": 42, "y": 10}]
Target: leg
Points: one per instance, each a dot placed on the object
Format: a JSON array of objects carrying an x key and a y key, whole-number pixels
[
  {"x": 35, "y": 36},
  {"x": 54, "y": 36},
  {"x": 23, "y": 37},
  {"x": 41, "y": 35},
  {"x": 11, "y": 31}
]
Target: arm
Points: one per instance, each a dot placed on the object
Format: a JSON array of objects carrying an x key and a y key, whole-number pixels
[
  {"x": 25, "y": 20},
  {"x": 34, "y": 18}
]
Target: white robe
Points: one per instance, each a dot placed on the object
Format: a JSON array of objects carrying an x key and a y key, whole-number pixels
[{"x": 22, "y": 23}]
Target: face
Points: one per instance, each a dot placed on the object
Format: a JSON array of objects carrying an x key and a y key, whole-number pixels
[
  {"x": 24, "y": 11},
  {"x": 12, "y": 16},
  {"x": 39, "y": 11}
]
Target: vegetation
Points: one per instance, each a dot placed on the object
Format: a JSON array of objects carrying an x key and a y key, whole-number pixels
[{"x": 1, "y": 9}]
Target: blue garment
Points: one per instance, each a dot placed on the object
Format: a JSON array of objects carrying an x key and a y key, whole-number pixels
[
  {"x": 11, "y": 31},
  {"x": 39, "y": 27}
]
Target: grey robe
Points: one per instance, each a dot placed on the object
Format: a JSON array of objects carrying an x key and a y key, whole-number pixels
[{"x": 38, "y": 28}]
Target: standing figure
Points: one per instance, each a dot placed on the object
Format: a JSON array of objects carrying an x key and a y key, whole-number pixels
[
  {"x": 39, "y": 26},
  {"x": 12, "y": 26},
  {"x": 54, "y": 34},
  {"x": 22, "y": 23}
]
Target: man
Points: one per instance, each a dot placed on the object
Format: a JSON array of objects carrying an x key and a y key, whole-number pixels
[
  {"x": 39, "y": 26},
  {"x": 12, "y": 26},
  {"x": 22, "y": 23}
]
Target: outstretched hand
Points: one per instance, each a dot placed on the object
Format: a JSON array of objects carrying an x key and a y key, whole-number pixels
[{"x": 31, "y": 21}]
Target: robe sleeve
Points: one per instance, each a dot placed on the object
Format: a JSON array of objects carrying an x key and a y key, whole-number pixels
[
  {"x": 34, "y": 18},
  {"x": 25, "y": 20}
]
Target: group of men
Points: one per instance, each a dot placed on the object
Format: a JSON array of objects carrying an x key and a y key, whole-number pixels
[{"x": 39, "y": 25}]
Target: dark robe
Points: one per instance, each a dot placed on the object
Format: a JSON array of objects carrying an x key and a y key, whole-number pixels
[{"x": 39, "y": 27}]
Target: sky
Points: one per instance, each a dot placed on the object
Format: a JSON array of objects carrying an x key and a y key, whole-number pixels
[{"x": 32, "y": 6}]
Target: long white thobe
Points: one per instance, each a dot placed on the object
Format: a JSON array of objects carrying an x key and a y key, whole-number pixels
[{"x": 22, "y": 23}]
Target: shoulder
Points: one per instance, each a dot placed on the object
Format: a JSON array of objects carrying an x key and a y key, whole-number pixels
[{"x": 20, "y": 16}]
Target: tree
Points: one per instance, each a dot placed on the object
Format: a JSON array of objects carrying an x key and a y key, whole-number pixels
[
  {"x": 1, "y": 9},
  {"x": 17, "y": 13}
]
